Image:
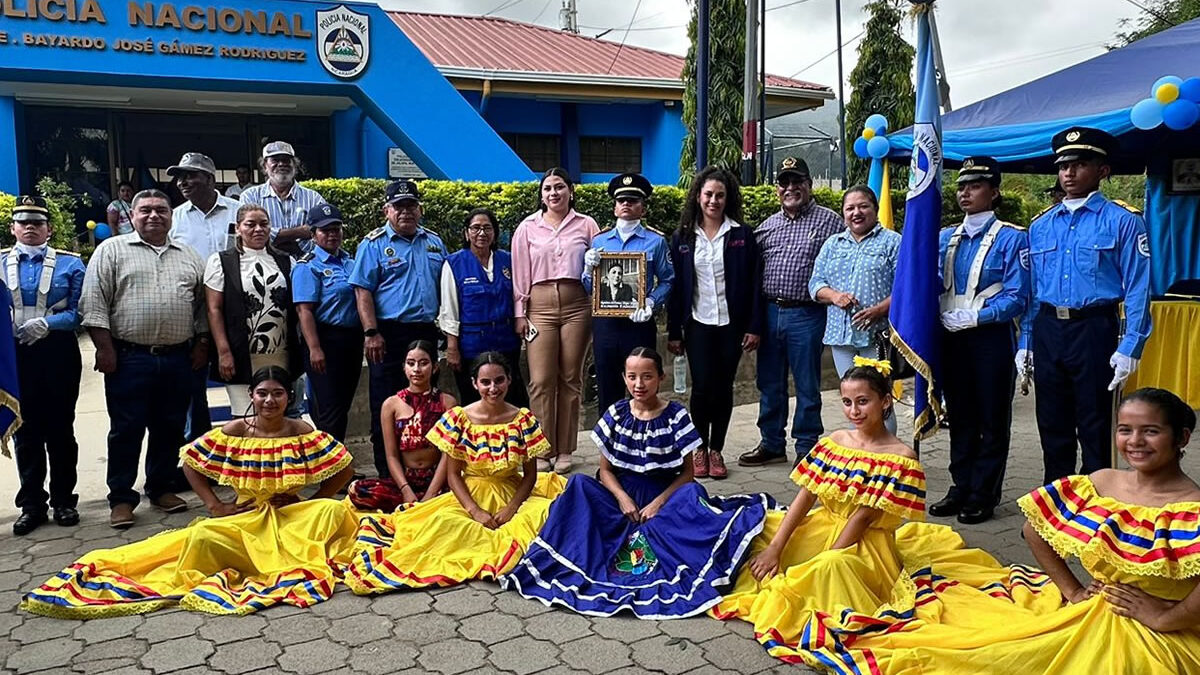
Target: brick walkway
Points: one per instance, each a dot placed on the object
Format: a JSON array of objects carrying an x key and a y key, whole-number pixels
[{"x": 473, "y": 628}]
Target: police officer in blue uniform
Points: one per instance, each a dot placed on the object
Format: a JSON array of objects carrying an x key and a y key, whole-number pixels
[
  {"x": 1088, "y": 254},
  {"x": 984, "y": 265},
  {"x": 329, "y": 325},
  {"x": 45, "y": 284},
  {"x": 395, "y": 279},
  {"x": 614, "y": 337}
]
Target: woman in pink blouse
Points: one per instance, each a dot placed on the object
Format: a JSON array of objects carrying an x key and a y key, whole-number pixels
[{"x": 547, "y": 256}]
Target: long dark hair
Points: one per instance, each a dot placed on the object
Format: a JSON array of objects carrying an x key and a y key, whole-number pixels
[
  {"x": 561, "y": 173},
  {"x": 492, "y": 358},
  {"x": 691, "y": 216},
  {"x": 647, "y": 353},
  {"x": 491, "y": 219}
]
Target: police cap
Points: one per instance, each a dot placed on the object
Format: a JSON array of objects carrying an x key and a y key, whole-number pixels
[
  {"x": 30, "y": 209},
  {"x": 402, "y": 190},
  {"x": 1078, "y": 143},
  {"x": 323, "y": 215},
  {"x": 629, "y": 185},
  {"x": 980, "y": 168}
]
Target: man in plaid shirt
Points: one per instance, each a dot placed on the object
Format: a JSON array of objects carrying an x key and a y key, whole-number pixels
[{"x": 789, "y": 241}]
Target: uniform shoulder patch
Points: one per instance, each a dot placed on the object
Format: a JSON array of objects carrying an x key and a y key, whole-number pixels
[
  {"x": 1043, "y": 212},
  {"x": 375, "y": 233},
  {"x": 60, "y": 251},
  {"x": 1005, "y": 223},
  {"x": 604, "y": 231},
  {"x": 307, "y": 257},
  {"x": 655, "y": 231},
  {"x": 4, "y": 251},
  {"x": 1127, "y": 206}
]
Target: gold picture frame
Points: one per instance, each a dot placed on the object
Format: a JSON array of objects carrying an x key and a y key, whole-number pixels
[{"x": 616, "y": 295}]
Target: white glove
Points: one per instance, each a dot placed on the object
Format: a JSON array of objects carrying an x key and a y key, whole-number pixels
[
  {"x": 33, "y": 330},
  {"x": 591, "y": 257},
  {"x": 1024, "y": 363},
  {"x": 1123, "y": 366},
  {"x": 958, "y": 319},
  {"x": 643, "y": 314}
]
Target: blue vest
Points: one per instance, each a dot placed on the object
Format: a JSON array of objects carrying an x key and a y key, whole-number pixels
[{"x": 485, "y": 308}]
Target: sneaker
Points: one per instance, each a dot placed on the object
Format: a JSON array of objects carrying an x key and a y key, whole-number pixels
[
  {"x": 760, "y": 456},
  {"x": 169, "y": 503},
  {"x": 121, "y": 516},
  {"x": 700, "y": 463},
  {"x": 66, "y": 516},
  {"x": 716, "y": 466}
]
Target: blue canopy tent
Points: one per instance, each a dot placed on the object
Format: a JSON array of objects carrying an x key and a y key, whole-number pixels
[{"x": 1016, "y": 126}]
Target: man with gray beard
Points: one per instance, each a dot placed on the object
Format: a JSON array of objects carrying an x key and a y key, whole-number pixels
[{"x": 285, "y": 201}]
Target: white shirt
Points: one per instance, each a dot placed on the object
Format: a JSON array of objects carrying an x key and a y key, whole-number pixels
[
  {"x": 234, "y": 191},
  {"x": 206, "y": 233},
  {"x": 709, "y": 305},
  {"x": 448, "y": 314}
]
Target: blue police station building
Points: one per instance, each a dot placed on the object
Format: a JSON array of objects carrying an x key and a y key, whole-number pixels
[{"x": 97, "y": 91}]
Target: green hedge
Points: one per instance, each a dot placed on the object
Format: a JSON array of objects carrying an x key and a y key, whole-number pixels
[
  {"x": 446, "y": 204},
  {"x": 62, "y": 221}
]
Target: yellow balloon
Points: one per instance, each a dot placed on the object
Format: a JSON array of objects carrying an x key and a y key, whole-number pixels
[
  {"x": 869, "y": 133},
  {"x": 91, "y": 224},
  {"x": 1167, "y": 92}
]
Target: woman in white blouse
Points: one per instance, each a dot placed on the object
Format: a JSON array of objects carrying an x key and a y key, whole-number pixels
[
  {"x": 715, "y": 311},
  {"x": 250, "y": 310}
]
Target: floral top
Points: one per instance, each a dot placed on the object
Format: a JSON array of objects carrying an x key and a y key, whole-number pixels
[
  {"x": 265, "y": 295},
  {"x": 124, "y": 211},
  {"x": 489, "y": 449},
  {"x": 427, "y": 409},
  {"x": 640, "y": 445},
  {"x": 260, "y": 468},
  {"x": 839, "y": 475}
]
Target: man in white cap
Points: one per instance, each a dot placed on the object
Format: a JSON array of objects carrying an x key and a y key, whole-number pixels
[{"x": 285, "y": 201}]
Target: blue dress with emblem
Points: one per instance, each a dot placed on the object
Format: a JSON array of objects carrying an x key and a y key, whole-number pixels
[{"x": 590, "y": 558}]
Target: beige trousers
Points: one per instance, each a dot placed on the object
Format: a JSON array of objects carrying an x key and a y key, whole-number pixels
[{"x": 562, "y": 313}]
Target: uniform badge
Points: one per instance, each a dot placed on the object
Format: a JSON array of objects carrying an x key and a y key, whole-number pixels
[
  {"x": 789, "y": 163},
  {"x": 968, "y": 164},
  {"x": 506, "y": 272},
  {"x": 1073, "y": 136},
  {"x": 328, "y": 273},
  {"x": 1143, "y": 245},
  {"x": 389, "y": 251},
  {"x": 627, "y": 180},
  {"x": 1023, "y": 256},
  {"x": 27, "y": 201}
]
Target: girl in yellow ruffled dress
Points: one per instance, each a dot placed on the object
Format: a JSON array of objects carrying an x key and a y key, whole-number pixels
[
  {"x": 1137, "y": 534},
  {"x": 265, "y": 547},
  {"x": 496, "y": 505}
]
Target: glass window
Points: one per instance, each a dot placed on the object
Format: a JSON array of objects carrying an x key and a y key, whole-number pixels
[
  {"x": 610, "y": 154},
  {"x": 540, "y": 152}
]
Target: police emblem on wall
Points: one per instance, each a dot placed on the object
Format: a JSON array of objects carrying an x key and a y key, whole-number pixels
[{"x": 343, "y": 41}]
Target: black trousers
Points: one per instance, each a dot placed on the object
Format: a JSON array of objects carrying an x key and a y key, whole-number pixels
[
  {"x": 48, "y": 373},
  {"x": 612, "y": 340},
  {"x": 333, "y": 390},
  {"x": 1071, "y": 374},
  {"x": 713, "y": 354},
  {"x": 388, "y": 377},
  {"x": 979, "y": 384},
  {"x": 518, "y": 395}
]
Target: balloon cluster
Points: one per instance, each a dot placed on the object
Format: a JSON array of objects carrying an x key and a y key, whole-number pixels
[
  {"x": 99, "y": 230},
  {"x": 1173, "y": 101},
  {"x": 873, "y": 143}
]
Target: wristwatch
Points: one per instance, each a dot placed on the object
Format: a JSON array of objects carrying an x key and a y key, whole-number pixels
[{"x": 371, "y": 332}]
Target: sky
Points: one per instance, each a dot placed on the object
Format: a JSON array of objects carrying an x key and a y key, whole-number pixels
[{"x": 988, "y": 47}]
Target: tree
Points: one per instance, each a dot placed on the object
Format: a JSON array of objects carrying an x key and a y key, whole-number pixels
[
  {"x": 1159, "y": 15},
  {"x": 881, "y": 82},
  {"x": 727, "y": 50}
]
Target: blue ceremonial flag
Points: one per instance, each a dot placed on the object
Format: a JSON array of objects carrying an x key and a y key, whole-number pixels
[
  {"x": 10, "y": 406},
  {"x": 916, "y": 329}
]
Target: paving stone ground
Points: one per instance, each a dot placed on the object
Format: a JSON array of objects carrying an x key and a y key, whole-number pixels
[{"x": 472, "y": 628}]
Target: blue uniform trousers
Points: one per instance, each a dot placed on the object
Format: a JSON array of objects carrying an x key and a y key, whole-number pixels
[
  {"x": 388, "y": 377},
  {"x": 48, "y": 372},
  {"x": 333, "y": 391},
  {"x": 612, "y": 340},
  {"x": 1071, "y": 375},
  {"x": 979, "y": 382}
]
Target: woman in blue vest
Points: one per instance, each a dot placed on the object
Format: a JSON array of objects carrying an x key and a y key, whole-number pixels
[{"x": 477, "y": 306}]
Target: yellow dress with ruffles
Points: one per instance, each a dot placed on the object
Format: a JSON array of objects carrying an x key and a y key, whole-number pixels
[
  {"x": 952, "y": 628},
  {"x": 437, "y": 543},
  {"x": 236, "y": 564}
]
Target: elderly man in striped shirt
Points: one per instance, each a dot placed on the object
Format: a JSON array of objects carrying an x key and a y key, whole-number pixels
[{"x": 285, "y": 201}]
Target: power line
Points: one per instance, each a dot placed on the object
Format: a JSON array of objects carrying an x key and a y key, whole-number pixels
[
  {"x": 502, "y": 6},
  {"x": 787, "y": 4},
  {"x": 831, "y": 53},
  {"x": 1025, "y": 58},
  {"x": 1153, "y": 12},
  {"x": 624, "y": 37},
  {"x": 539, "y": 14}
]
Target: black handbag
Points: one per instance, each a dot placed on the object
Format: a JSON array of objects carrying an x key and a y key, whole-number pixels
[{"x": 901, "y": 369}]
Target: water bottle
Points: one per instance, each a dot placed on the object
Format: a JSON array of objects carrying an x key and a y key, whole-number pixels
[{"x": 681, "y": 369}]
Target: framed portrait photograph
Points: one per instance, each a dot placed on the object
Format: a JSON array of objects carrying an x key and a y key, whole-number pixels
[
  {"x": 618, "y": 284},
  {"x": 1185, "y": 176}
]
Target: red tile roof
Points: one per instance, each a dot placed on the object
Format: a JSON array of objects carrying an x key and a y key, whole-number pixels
[{"x": 493, "y": 43}]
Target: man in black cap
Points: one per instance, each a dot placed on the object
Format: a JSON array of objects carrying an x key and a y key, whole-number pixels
[
  {"x": 614, "y": 337},
  {"x": 45, "y": 284},
  {"x": 790, "y": 241},
  {"x": 396, "y": 276},
  {"x": 1088, "y": 255},
  {"x": 985, "y": 281}
]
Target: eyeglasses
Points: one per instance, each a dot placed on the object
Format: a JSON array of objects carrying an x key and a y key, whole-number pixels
[
  {"x": 629, "y": 200},
  {"x": 793, "y": 182},
  {"x": 479, "y": 229}
]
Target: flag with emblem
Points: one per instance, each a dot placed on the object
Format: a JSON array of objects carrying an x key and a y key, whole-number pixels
[
  {"x": 914, "y": 312},
  {"x": 10, "y": 405}
]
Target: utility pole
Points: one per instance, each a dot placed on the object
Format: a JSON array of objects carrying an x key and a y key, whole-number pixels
[
  {"x": 702, "y": 52},
  {"x": 841, "y": 91},
  {"x": 568, "y": 17},
  {"x": 764, "y": 167},
  {"x": 750, "y": 94}
]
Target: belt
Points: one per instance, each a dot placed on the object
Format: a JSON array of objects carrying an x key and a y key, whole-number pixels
[
  {"x": 153, "y": 350},
  {"x": 1069, "y": 314},
  {"x": 487, "y": 325},
  {"x": 788, "y": 304}
]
